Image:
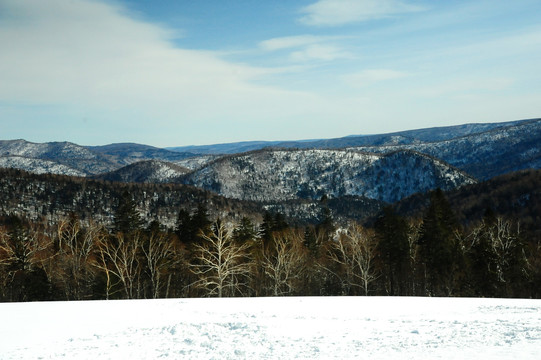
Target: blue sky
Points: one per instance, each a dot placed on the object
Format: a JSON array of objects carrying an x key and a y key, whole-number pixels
[{"x": 172, "y": 73}]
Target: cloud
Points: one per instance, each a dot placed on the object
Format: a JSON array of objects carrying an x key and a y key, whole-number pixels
[
  {"x": 287, "y": 42},
  {"x": 305, "y": 48},
  {"x": 319, "y": 52},
  {"x": 340, "y": 12},
  {"x": 370, "y": 76},
  {"x": 88, "y": 59}
]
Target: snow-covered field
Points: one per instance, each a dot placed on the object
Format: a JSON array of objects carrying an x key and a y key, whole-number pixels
[{"x": 273, "y": 328}]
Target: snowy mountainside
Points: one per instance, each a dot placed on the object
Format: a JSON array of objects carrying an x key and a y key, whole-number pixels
[
  {"x": 38, "y": 166},
  {"x": 84, "y": 161},
  {"x": 275, "y": 175},
  {"x": 129, "y": 153},
  {"x": 56, "y": 150},
  {"x": 147, "y": 171},
  {"x": 197, "y": 161},
  {"x": 68, "y": 154},
  {"x": 484, "y": 155},
  {"x": 55, "y": 197}
]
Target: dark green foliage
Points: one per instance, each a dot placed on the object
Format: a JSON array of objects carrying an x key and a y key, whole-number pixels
[
  {"x": 267, "y": 227},
  {"x": 393, "y": 251},
  {"x": 189, "y": 226},
  {"x": 271, "y": 224},
  {"x": 438, "y": 248},
  {"x": 127, "y": 217},
  {"x": 246, "y": 231}
]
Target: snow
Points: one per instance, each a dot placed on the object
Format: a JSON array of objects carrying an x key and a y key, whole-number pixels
[{"x": 265, "y": 328}]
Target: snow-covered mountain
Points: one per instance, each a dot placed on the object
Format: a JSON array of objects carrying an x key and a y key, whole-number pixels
[
  {"x": 274, "y": 175},
  {"x": 148, "y": 171},
  {"x": 76, "y": 157},
  {"x": 129, "y": 153},
  {"x": 38, "y": 166},
  {"x": 486, "y": 154},
  {"x": 65, "y": 158},
  {"x": 385, "y": 167},
  {"x": 433, "y": 134}
]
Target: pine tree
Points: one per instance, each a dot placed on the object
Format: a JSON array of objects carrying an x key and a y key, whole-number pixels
[
  {"x": 245, "y": 231},
  {"x": 189, "y": 228},
  {"x": 393, "y": 250},
  {"x": 127, "y": 217},
  {"x": 438, "y": 248}
]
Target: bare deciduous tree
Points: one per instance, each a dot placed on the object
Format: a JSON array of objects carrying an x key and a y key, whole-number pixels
[
  {"x": 354, "y": 250},
  {"x": 221, "y": 265},
  {"x": 118, "y": 257},
  {"x": 76, "y": 244},
  {"x": 505, "y": 243},
  {"x": 285, "y": 262},
  {"x": 160, "y": 255}
]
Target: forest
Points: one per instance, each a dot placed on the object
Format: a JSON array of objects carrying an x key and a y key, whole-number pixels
[{"x": 428, "y": 255}]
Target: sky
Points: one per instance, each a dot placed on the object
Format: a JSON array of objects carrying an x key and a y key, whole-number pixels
[{"x": 184, "y": 72}]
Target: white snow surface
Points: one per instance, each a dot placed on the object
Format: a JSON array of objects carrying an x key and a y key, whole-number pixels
[{"x": 273, "y": 328}]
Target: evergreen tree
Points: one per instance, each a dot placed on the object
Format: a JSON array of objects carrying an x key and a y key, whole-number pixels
[
  {"x": 310, "y": 240},
  {"x": 393, "y": 250},
  {"x": 200, "y": 222},
  {"x": 245, "y": 231},
  {"x": 190, "y": 227},
  {"x": 482, "y": 259},
  {"x": 127, "y": 218},
  {"x": 438, "y": 248},
  {"x": 267, "y": 227},
  {"x": 326, "y": 228},
  {"x": 279, "y": 222},
  {"x": 183, "y": 226}
]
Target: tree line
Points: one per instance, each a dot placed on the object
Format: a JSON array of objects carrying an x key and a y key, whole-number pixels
[{"x": 76, "y": 259}]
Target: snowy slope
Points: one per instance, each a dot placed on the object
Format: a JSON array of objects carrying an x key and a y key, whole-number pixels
[
  {"x": 276, "y": 175},
  {"x": 38, "y": 166},
  {"x": 147, "y": 171},
  {"x": 274, "y": 328},
  {"x": 68, "y": 154},
  {"x": 484, "y": 155}
]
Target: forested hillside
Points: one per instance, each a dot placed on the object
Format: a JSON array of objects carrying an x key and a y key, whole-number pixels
[
  {"x": 402, "y": 216},
  {"x": 273, "y": 175},
  {"x": 446, "y": 249},
  {"x": 486, "y": 154}
]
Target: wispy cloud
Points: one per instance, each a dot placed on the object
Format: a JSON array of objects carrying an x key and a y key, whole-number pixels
[
  {"x": 371, "y": 76},
  {"x": 306, "y": 48},
  {"x": 319, "y": 52},
  {"x": 339, "y": 12},
  {"x": 288, "y": 42}
]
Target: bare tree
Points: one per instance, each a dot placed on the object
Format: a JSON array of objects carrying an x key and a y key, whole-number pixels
[
  {"x": 221, "y": 265},
  {"x": 160, "y": 255},
  {"x": 504, "y": 239},
  {"x": 285, "y": 262},
  {"x": 118, "y": 257},
  {"x": 354, "y": 251},
  {"x": 23, "y": 252},
  {"x": 76, "y": 245}
]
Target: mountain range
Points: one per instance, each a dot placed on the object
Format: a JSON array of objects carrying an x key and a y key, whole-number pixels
[{"x": 372, "y": 169}]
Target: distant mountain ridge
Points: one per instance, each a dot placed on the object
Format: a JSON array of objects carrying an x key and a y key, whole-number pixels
[
  {"x": 484, "y": 155},
  {"x": 386, "y": 167},
  {"x": 65, "y": 158},
  {"x": 395, "y": 138}
]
